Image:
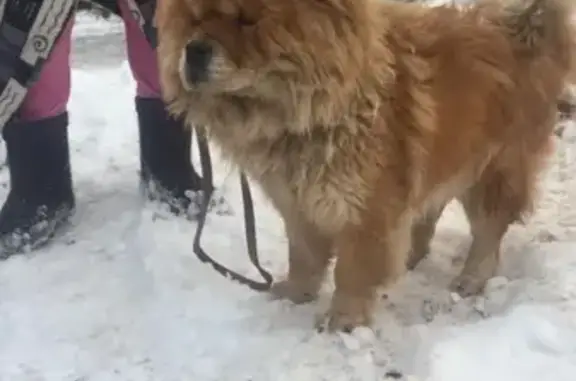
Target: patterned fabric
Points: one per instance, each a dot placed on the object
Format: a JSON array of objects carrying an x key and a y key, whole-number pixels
[{"x": 28, "y": 31}]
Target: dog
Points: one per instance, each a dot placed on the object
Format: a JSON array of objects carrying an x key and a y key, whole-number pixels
[{"x": 362, "y": 119}]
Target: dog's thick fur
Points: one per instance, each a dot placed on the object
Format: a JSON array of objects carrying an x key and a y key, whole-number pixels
[{"x": 362, "y": 119}]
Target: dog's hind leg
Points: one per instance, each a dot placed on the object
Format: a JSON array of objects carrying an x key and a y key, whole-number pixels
[
  {"x": 422, "y": 233},
  {"x": 500, "y": 197}
]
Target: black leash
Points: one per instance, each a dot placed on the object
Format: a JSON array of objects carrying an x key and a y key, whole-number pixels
[{"x": 249, "y": 224}]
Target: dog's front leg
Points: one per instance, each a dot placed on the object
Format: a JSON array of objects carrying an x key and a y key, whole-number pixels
[
  {"x": 369, "y": 255},
  {"x": 309, "y": 253}
]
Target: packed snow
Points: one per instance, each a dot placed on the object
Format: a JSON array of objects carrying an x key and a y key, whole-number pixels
[{"x": 122, "y": 297}]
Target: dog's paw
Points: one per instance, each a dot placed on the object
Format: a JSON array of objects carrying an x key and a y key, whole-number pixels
[
  {"x": 345, "y": 314},
  {"x": 467, "y": 285},
  {"x": 337, "y": 321},
  {"x": 297, "y": 293},
  {"x": 416, "y": 256},
  {"x": 412, "y": 262}
]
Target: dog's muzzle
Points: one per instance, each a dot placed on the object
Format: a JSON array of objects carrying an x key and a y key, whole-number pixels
[{"x": 196, "y": 59}]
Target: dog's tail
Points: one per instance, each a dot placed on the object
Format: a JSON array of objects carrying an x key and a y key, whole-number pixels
[{"x": 545, "y": 26}]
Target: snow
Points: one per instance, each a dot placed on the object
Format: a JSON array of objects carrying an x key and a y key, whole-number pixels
[
  {"x": 529, "y": 343},
  {"x": 122, "y": 297},
  {"x": 88, "y": 24}
]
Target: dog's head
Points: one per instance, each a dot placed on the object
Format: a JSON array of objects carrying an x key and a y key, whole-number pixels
[{"x": 260, "y": 48}]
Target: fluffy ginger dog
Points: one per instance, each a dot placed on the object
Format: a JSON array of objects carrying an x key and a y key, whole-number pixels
[{"x": 362, "y": 119}]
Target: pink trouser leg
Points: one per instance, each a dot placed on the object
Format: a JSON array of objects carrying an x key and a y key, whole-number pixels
[
  {"x": 49, "y": 96},
  {"x": 141, "y": 56}
]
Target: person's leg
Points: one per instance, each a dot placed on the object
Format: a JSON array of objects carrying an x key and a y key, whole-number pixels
[
  {"x": 167, "y": 173},
  {"x": 41, "y": 198}
]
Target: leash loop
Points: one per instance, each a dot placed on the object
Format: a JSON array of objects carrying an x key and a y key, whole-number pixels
[{"x": 249, "y": 225}]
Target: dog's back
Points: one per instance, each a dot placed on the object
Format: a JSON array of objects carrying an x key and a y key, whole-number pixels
[
  {"x": 493, "y": 72},
  {"x": 540, "y": 35},
  {"x": 543, "y": 38},
  {"x": 502, "y": 63},
  {"x": 542, "y": 28}
]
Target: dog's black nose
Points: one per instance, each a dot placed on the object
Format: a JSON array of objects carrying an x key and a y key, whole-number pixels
[{"x": 198, "y": 57}]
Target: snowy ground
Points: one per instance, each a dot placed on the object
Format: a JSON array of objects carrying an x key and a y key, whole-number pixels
[{"x": 122, "y": 297}]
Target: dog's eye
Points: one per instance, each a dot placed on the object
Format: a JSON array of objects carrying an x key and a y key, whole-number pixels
[{"x": 243, "y": 20}]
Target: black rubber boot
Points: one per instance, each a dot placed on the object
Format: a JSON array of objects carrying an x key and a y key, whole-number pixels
[
  {"x": 167, "y": 174},
  {"x": 41, "y": 199}
]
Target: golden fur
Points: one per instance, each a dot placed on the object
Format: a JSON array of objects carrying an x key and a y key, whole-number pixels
[{"x": 362, "y": 119}]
